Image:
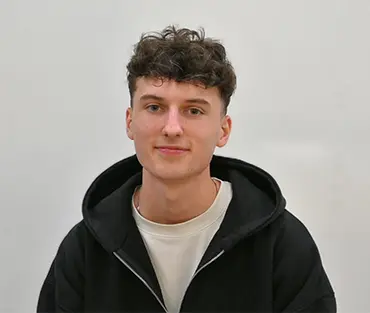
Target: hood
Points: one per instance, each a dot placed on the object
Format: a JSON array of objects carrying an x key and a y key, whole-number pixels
[{"x": 257, "y": 201}]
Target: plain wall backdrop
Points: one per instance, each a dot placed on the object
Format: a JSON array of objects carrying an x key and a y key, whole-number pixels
[{"x": 301, "y": 112}]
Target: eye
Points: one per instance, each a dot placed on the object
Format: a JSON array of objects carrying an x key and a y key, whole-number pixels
[
  {"x": 195, "y": 111},
  {"x": 153, "y": 108}
]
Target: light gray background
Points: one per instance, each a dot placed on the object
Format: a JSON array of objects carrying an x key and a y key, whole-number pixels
[{"x": 301, "y": 112}]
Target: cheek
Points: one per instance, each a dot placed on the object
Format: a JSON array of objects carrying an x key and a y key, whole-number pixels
[
  {"x": 142, "y": 128},
  {"x": 207, "y": 137}
]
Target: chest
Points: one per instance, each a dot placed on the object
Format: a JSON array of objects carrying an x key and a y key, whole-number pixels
[{"x": 239, "y": 280}]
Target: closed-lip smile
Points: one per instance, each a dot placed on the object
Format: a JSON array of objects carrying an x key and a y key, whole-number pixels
[{"x": 172, "y": 149}]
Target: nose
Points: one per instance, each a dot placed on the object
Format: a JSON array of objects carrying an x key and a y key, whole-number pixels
[{"x": 173, "y": 127}]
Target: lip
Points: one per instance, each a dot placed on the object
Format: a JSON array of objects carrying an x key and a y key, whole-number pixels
[{"x": 172, "y": 150}]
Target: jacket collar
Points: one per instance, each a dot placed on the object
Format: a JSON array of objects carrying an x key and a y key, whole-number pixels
[{"x": 256, "y": 202}]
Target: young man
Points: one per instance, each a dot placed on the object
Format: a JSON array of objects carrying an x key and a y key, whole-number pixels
[{"x": 175, "y": 228}]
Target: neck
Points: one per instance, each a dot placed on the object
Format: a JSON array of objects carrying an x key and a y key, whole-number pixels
[{"x": 175, "y": 202}]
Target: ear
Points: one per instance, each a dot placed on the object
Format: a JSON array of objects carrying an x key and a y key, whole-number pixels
[
  {"x": 129, "y": 123},
  {"x": 226, "y": 126}
]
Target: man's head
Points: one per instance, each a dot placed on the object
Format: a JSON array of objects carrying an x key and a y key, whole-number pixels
[{"x": 180, "y": 83}]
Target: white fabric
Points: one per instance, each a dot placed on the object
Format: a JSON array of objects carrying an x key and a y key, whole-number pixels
[{"x": 176, "y": 250}]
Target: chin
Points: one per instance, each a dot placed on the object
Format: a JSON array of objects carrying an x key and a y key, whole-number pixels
[
  {"x": 171, "y": 169},
  {"x": 174, "y": 172}
]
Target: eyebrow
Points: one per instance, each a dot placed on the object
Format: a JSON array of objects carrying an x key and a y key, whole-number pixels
[
  {"x": 157, "y": 98},
  {"x": 150, "y": 97}
]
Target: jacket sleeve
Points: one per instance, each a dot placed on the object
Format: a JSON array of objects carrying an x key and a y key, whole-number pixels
[
  {"x": 300, "y": 281},
  {"x": 62, "y": 289}
]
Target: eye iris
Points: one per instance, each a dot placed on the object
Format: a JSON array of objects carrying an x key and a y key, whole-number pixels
[{"x": 153, "y": 107}]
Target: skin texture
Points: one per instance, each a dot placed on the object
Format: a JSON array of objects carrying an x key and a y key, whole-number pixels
[{"x": 177, "y": 185}]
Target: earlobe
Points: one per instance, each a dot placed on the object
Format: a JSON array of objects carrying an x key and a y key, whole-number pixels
[
  {"x": 129, "y": 124},
  {"x": 129, "y": 134},
  {"x": 223, "y": 140},
  {"x": 225, "y": 132}
]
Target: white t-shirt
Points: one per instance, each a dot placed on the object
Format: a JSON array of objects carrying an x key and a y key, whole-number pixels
[{"x": 175, "y": 250}]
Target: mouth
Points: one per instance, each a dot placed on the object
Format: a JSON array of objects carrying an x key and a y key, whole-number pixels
[{"x": 171, "y": 150}]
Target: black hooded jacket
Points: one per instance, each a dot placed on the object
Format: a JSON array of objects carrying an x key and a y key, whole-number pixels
[{"x": 262, "y": 259}]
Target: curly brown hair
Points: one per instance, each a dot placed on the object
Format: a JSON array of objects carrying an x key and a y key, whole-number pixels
[{"x": 182, "y": 55}]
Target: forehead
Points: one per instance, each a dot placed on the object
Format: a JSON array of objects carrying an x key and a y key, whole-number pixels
[{"x": 175, "y": 91}]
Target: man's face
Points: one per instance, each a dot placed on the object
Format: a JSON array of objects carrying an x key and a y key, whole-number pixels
[{"x": 176, "y": 127}]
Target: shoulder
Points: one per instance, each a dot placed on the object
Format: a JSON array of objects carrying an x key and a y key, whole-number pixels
[
  {"x": 74, "y": 244},
  {"x": 294, "y": 245},
  {"x": 75, "y": 236},
  {"x": 293, "y": 233},
  {"x": 299, "y": 277}
]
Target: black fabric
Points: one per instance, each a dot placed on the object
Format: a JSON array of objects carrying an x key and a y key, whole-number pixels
[{"x": 262, "y": 259}]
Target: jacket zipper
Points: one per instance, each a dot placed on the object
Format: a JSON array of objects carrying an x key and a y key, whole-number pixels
[
  {"x": 206, "y": 264},
  {"x": 152, "y": 291},
  {"x": 143, "y": 281},
  {"x": 197, "y": 272}
]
